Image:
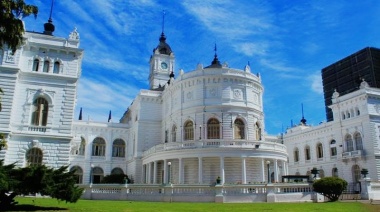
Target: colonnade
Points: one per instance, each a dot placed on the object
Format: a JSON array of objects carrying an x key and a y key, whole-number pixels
[{"x": 266, "y": 169}]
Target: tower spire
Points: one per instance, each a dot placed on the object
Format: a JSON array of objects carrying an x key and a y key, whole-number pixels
[
  {"x": 49, "y": 27},
  {"x": 51, "y": 9},
  {"x": 162, "y": 37},
  {"x": 163, "y": 21}
]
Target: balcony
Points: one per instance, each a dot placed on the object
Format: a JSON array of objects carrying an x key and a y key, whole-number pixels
[
  {"x": 352, "y": 154},
  {"x": 217, "y": 143}
]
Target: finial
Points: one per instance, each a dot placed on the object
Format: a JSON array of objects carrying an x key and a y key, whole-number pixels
[
  {"x": 109, "y": 116},
  {"x": 216, "y": 61},
  {"x": 303, "y": 120},
  {"x": 80, "y": 114},
  {"x": 215, "y": 50}
]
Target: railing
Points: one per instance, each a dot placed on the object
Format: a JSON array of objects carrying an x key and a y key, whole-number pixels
[
  {"x": 37, "y": 129},
  {"x": 259, "y": 145},
  {"x": 283, "y": 192},
  {"x": 352, "y": 154}
]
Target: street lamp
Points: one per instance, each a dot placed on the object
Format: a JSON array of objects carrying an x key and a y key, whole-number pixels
[
  {"x": 169, "y": 164},
  {"x": 200, "y": 132},
  {"x": 268, "y": 168},
  {"x": 92, "y": 167}
]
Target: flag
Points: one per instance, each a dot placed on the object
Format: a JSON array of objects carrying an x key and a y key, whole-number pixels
[
  {"x": 109, "y": 117},
  {"x": 80, "y": 114}
]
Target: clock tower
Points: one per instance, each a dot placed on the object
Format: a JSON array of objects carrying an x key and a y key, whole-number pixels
[{"x": 161, "y": 64}]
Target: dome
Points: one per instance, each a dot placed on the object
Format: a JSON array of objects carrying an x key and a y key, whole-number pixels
[{"x": 163, "y": 47}]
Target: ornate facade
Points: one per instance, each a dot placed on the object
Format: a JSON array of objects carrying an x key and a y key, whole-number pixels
[
  {"x": 191, "y": 129},
  {"x": 342, "y": 147}
]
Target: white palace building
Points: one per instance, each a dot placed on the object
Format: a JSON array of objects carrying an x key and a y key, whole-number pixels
[{"x": 204, "y": 124}]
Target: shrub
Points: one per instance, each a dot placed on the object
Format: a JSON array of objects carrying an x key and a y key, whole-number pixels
[
  {"x": 116, "y": 179},
  {"x": 330, "y": 187}
]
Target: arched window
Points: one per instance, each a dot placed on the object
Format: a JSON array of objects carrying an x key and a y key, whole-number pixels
[
  {"x": 174, "y": 133},
  {"x": 358, "y": 141},
  {"x": 166, "y": 136},
  {"x": 82, "y": 146},
  {"x": 78, "y": 174},
  {"x": 36, "y": 64},
  {"x": 335, "y": 172},
  {"x": 307, "y": 153},
  {"x": 97, "y": 175},
  {"x": 355, "y": 173},
  {"x": 40, "y": 112},
  {"x": 239, "y": 129},
  {"x": 213, "y": 129},
  {"x": 343, "y": 116},
  {"x": 349, "y": 143},
  {"x": 296, "y": 155},
  {"x": 189, "y": 130},
  {"x": 56, "y": 67},
  {"x": 258, "y": 131},
  {"x": 98, "y": 147},
  {"x": 319, "y": 150},
  {"x": 34, "y": 156},
  {"x": 357, "y": 112},
  {"x": 117, "y": 170},
  {"x": 46, "y": 66},
  {"x": 321, "y": 173},
  {"x": 118, "y": 148},
  {"x": 333, "y": 151}
]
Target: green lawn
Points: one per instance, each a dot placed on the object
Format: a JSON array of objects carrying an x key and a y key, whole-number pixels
[{"x": 48, "y": 204}]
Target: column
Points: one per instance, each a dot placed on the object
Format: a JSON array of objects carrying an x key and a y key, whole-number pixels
[
  {"x": 275, "y": 167},
  {"x": 144, "y": 173},
  {"x": 180, "y": 171},
  {"x": 200, "y": 170},
  {"x": 149, "y": 172},
  {"x": 165, "y": 171},
  {"x": 262, "y": 170},
  {"x": 287, "y": 168},
  {"x": 243, "y": 171},
  {"x": 155, "y": 173},
  {"x": 283, "y": 168},
  {"x": 222, "y": 170}
]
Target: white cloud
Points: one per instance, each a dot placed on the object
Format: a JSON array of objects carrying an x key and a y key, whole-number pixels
[
  {"x": 98, "y": 96},
  {"x": 316, "y": 82}
]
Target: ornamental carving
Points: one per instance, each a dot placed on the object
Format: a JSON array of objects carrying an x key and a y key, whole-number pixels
[{"x": 237, "y": 94}]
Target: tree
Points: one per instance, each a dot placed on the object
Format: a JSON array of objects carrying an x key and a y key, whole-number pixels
[
  {"x": 57, "y": 183},
  {"x": 11, "y": 26},
  {"x": 330, "y": 187}
]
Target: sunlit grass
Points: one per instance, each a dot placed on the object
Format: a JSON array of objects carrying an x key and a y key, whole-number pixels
[{"x": 114, "y": 206}]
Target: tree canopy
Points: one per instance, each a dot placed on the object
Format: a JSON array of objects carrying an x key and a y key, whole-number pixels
[
  {"x": 11, "y": 26},
  {"x": 330, "y": 187},
  {"x": 56, "y": 183}
]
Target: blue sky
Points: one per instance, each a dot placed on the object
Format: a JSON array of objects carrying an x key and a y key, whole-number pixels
[{"x": 287, "y": 42}]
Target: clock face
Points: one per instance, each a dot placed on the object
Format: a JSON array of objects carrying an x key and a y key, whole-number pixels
[{"x": 164, "y": 65}]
